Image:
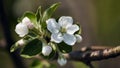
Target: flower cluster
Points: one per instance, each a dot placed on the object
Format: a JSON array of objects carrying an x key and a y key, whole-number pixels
[
  {"x": 23, "y": 27},
  {"x": 42, "y": 35}
]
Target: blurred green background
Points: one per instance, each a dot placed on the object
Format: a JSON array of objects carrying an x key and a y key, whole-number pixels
[{"x": 99, "y": 20}]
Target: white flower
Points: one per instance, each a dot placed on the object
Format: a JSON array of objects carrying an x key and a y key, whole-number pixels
[
  {"x": 21, "y": 42},
  {"x": 78, "y": 37},
  {"x": 46, "y": 50},
  {"x": 62, "y": 61},
  {"x": 63, "y": 30},
  {"x": 27, "y": 22},
  {"x": 21, "y": 29}
]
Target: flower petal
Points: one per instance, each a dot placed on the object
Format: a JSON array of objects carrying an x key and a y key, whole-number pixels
[
  {"x": 56, "y": 37},
  {"x": 78, "y": 37},
  {"x": 52, "y": 26},
  {"x": 69, "y": 39},
  {"x": 72, "y": 29},
  {"x": 27, "y": 22},
  {"x": 21, "y": 29},
  {"x": 65, "y": 21}
]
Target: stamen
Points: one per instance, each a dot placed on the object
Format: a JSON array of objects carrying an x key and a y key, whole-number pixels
[{"x": 63, "y": 30}]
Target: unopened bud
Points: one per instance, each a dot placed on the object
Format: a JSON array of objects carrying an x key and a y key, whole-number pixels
[
  {"x": 46, "y": 50},
  {"x": 27, "y": 21},
  {"x": 62, "y": 61},
  {"x": 78, "y": 37},
  {"x": 21, "y": 42}
]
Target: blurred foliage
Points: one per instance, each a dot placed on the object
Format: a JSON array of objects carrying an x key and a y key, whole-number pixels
[
  {"x": 5, "y": 60},
  {"x": 108, "y": 13},
  {"x": 80, "y": 65},
  {"x": 41, "y": 64}
]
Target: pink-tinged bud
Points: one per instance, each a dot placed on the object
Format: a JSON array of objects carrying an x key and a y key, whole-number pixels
[
  {"x": 21, "y": 42},
  {"x": 46, "y": 50}
]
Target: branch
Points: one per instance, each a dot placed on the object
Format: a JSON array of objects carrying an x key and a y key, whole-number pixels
[{"x": 89, "y": 54}]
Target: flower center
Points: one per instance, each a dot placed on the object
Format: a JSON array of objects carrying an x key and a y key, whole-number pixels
[{"x": 63, "y": 30}]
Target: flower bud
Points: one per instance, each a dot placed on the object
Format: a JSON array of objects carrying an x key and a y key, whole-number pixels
[
  {"x": 78, "y": 37},
  {"x": 62, "y": 61},
  {"x": 27, "y": 21},
  {"x": 21, "y": 29},
  {"x": 46, "y": 50},
  {"x": 21, "y": 42}
]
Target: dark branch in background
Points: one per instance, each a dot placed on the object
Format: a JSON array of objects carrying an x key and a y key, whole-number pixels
[
  {"x": 5, "y": 25},
  {"x": 89, "y": 54}
]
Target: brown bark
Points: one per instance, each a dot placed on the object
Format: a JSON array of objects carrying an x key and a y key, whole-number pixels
[{"x": 93, "y": 53}]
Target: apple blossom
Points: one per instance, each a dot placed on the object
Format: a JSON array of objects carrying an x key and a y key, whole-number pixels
[{"x": 63, "y": 30}]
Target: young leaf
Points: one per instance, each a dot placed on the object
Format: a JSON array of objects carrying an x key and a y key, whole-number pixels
[
  {"x": 64, "y": 48},
  {"x": 34, "y": 47},
  {"x": 38, "y": 14},
  {"x": 14, "y": 47},
  {"x": 20, "y": 43},
  {"x": 48, "y": 12}
]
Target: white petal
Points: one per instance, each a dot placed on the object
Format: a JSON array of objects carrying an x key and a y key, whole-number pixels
[
  {"x": 65, "y": 21},
  {"x": 46, "y": 50},
  {"x": 27, "y": 22},
  {"x": 52, "y": 26},
  {"x": 72, "y": 29},
  {"x": 21, "y": 29},
  {"x": 78, "y": 37},
  {"x": 56, "y": 37},
  {"x": 62, "y": 61},
  {"x": 69, "y": 39}
]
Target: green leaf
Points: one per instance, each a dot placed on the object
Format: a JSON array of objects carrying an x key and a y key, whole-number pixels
[
  {"x": 48, "y": 12},
  {"x": 36, "y": 64},
  {"x": 38, "y": 14},
  {"x": 42, "y": 64},
  {"x": 34, "y": 47},
  {"x": 31, "y": 16},
  {"x": 64, "y": 48},
  {"x": 80, "y": 65},
  {"x": 14, "y": 47},
  {"x": 53, "y": 66}
]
